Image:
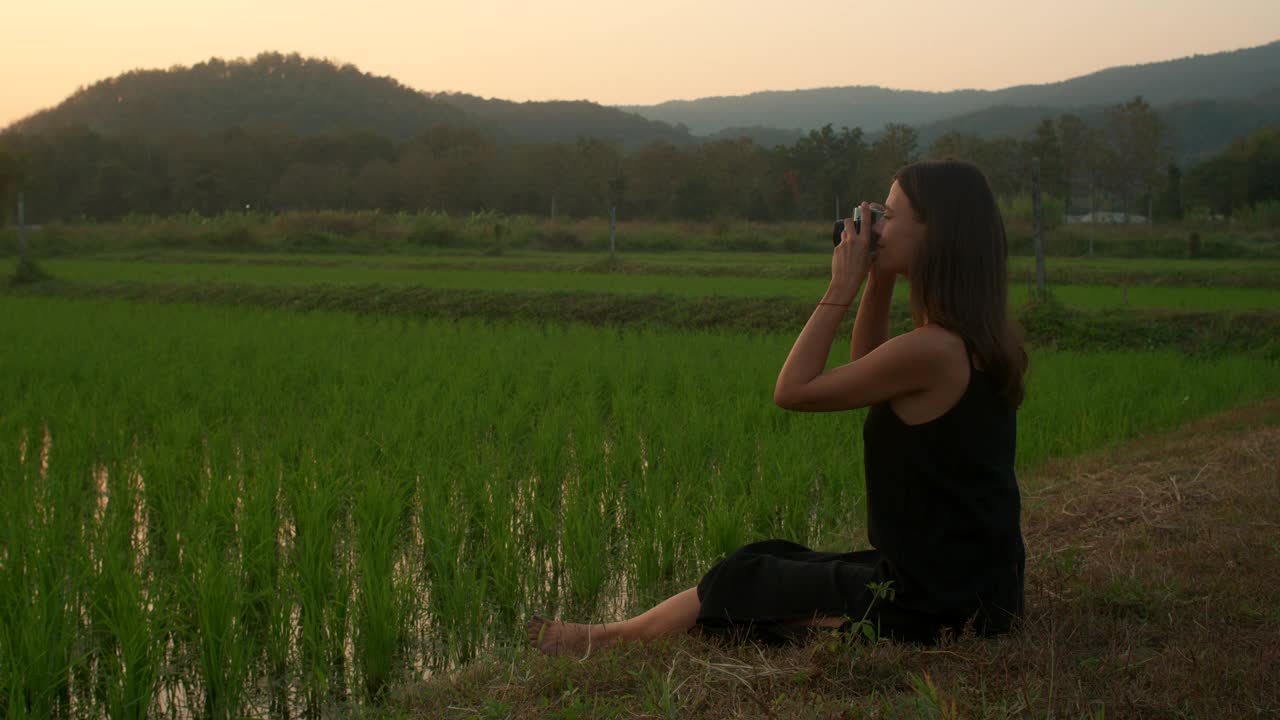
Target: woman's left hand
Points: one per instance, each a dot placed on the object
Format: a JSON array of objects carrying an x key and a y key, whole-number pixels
[{"x": 851, "y": 259}]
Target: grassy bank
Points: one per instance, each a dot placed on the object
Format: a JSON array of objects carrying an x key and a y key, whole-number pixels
[
  {"x": 1047, "y": 325},
  {"x": 374, "y": 232},
  {"x": 1256, "y": 273},
  {"x": 804, "y": 290}
]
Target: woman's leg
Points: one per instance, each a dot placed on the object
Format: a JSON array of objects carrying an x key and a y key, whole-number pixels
[{"x": 674, "y": 615}]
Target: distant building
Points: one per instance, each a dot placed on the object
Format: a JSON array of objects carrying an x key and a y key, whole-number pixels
[{"x": 1105, "y": 216}]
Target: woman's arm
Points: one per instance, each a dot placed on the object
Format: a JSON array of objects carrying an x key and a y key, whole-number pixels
[
  {"x": 808, "y": 356},
  {"x": 903, "y": 364},
  {"x": 871, "y": 326},
  {"x": 893, "y": 368}
]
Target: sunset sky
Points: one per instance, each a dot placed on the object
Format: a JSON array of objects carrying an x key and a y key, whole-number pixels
[{"x": 641, "y": 52}]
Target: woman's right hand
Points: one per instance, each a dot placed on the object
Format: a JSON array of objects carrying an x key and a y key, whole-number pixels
[{"x": 876, "y": 273}]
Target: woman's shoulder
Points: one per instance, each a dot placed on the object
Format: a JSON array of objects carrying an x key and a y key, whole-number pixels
[{"x": 939, "y": 342}]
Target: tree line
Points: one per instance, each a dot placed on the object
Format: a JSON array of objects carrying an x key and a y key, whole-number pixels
[{"x": 1125, "y": 165}]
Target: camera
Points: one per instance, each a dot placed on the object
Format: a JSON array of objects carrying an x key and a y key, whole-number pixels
[{"x": 876, "y": 214}]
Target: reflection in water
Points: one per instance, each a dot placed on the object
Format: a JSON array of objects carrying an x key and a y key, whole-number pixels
[{"x": 237, "y": 589}]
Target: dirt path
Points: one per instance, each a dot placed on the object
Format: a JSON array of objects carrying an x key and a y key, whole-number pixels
[{"x": 1153, "y": 590}]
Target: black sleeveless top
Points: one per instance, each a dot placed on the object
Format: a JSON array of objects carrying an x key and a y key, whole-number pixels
[
  {"x": 944, "y": 516},
  {"x": 943, "y": 508}
]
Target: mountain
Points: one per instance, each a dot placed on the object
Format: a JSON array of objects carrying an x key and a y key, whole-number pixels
[
  {"x": 1232, "y": 75},
  {"x": 278, "y": 91},
  {"x": 1207, "y": 100},
  {"x": 764, "y": 136},
  {"x": 563, "y": 121},
  {"x": 310, "y": 97},
  {"x": 1197, "y": 128}
]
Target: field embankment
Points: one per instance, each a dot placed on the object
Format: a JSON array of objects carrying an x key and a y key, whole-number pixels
[{"x": 1046, "y": 325}]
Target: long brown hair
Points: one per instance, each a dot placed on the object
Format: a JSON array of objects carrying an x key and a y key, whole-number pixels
[{"x": 960, "y": 280}]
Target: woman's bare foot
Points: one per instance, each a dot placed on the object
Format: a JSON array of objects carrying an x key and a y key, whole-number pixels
[{"x": 554, "y": 637}]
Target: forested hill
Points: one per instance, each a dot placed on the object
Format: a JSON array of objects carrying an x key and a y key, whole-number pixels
[
  {"x": 562, "y": 121},
  {"x": 1206, "y": 100},
  {"x": 308, "y": 96},
  {"x": 1233, "y": 75},
  {"x": 1197, "y": 128}
]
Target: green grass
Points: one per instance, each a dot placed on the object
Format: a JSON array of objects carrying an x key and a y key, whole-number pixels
[
  {"x": 311, "y": 507},
  {"x": 1077, "y": 296}
]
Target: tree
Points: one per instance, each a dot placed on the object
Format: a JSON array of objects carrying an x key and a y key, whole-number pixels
[
  {"x": 1139, "y": 151},
  {"x": 1247, "y": 172},
  {"x": 1170, "y": 203},
  {"x": 1075, "y": 146},
  {"x": 377, "y": 186},
  {"x": 1262, "y": 157},
  {"x": 307, "y": 186},
  {"x": 829, "y": 165},
  {"x": 599, "y": 175},
  {"x": 1001, "y": 160},
  {"x": 9, "y": 176},
  {"x": 654, "y": 172},
  {"x": 1044, "y": 145},
  {"x": 895, "y": 148},
  {"x": 734, "y": 168}
]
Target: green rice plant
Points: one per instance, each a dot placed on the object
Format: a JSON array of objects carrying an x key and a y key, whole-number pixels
[
  {"x": 212, "y": 572},
  {"x": 125, "y": 608},
  {"x": 455, "y": 587},
  {"x": 314, "y": 496},
  {"x": 263, "y": 555},
  {"x": 382, "y": 598},
  {"x": 37, "y": 597},
  {"x": 45, "y": 559},
  {"x": 498, "y": 549},
  {"x": 223, "y": 657}
]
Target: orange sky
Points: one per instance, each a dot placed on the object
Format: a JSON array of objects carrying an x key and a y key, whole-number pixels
[{"x": 643, "y": 51}]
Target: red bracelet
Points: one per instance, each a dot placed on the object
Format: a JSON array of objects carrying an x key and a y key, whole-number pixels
[{"x": 836, "y": 304}]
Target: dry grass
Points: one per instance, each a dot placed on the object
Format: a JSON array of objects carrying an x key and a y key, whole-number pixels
[{"x": 1153, "y": 590}]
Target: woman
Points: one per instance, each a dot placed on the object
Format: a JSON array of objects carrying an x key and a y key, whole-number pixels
[{"x": 942, "y": 499}]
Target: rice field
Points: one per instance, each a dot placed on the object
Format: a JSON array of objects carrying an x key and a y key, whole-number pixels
[{"x": 220, "y": 512}]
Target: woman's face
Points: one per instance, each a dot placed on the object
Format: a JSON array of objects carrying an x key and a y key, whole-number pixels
[{"x": 901, "y": 235}]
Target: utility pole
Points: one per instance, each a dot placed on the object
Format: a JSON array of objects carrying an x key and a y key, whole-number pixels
[
  {"x": 1093, "y": 217},
  {"x": 1037, "y": 230},
  {"x": 22, "y": 234},
  {"x": 613, "y": 220}
]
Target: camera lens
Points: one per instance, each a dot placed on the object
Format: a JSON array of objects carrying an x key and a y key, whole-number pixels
[{"x": 838, "y": 228}]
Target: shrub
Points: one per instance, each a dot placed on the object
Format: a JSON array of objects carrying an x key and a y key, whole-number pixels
[
  {"x": 433, "y": 229},
  {"x": 558, "y": 239},
  {"x": 233, "y": 237},
  {"x": 1261, "y": 216},
  {"x": 28, "y": 272},
  {"x": 1018, "y": 209}
]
